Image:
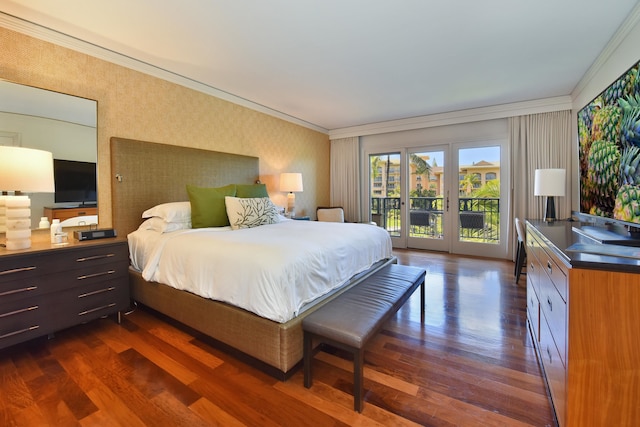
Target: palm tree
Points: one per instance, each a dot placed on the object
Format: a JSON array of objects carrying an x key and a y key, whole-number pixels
[
  {"x": 375, "y": 166},
  {"x": 491, "y": 189},
  {"x": 421, "y": 166},
  {"x": 468, "y": 183}
]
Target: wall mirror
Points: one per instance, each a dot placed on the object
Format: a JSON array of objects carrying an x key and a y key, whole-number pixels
[{"x": 64, "y": 125}]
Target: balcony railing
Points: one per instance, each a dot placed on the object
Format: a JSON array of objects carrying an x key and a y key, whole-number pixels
[{"x": 478, "y": 217}]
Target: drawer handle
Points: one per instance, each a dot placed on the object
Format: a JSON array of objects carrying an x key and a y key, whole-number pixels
[
  {"x": 99, "y": 291},
  {"x": 550, "y": 304},
  {"x": 21, "y": 331},
  {"x": 95, "y": 257},
  {"x": 549, "y": 267},
  {"x": 90, "y": 276},
  {"x": 17, "y": 291},
  {"x": 17, "y": 270},
  {"x": 82, "y": 313},
  {"x": 22, "y": 310}
]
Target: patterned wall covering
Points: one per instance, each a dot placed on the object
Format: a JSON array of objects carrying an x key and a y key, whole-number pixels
[{"x": 138, "y": 106}]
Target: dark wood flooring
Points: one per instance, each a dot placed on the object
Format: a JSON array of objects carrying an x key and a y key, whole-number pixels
[{"x": 470, "y": 364}]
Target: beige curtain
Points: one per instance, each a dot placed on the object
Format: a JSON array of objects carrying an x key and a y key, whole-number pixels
[
  {"x": 345, "y": 177},
  {"x": 539, "y": 141}
]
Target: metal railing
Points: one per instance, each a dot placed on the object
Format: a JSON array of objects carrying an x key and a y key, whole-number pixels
[{"x": 478, "y": 217}]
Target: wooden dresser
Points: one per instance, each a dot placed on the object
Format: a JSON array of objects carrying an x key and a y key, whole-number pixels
[
  {"x": 583, "y": 308},
  {"x": 51, "y": 287}
]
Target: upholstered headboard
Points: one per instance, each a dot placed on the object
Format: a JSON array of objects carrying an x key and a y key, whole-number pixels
[{"x": 145, "y": 174}]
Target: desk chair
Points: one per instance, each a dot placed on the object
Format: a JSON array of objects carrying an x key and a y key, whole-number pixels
[{"x": 521, "y": 251}]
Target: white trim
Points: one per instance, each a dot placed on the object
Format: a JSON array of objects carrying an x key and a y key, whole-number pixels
[
  {"x": 34, "y": 30},
  {"x": 546, "y": 105},
  {"x": 620, "y": 35}
]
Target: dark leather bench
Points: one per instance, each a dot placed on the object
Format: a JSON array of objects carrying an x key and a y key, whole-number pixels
[{"x": 352, "y": 319}]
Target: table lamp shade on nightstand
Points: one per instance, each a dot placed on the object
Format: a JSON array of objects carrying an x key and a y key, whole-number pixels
[{"x": 22, "y": 170}]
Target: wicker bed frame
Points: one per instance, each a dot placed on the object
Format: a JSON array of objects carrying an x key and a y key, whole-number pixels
[{"x": 146, "y": 174}]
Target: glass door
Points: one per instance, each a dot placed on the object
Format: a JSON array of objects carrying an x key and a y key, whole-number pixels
[
  {"x": 385, "y": 194},
  {"x": 448, "y": 197},
  {"x": 428, "y": 198},
  {"x": 480, "y": 199}
]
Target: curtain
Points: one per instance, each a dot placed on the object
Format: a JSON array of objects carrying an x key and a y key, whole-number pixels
[
  {"x": 539, "y": 141},
  {"x": 345, "y": 177}
]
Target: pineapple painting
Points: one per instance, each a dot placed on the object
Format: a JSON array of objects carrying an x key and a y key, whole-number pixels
[
  {"x": 609, "y": 151},
  {"x": 604, "y": 167},
  {"x": 630, "y": 124},
  {"x": 622, "y": 87},
  {"x": 628, "y": 204},
  {"x": 606, "y": 124}
]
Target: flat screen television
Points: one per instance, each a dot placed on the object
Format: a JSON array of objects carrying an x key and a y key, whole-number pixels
[
  {"x": 609, "y": 153},
  {"x": 75, "y": 182}
]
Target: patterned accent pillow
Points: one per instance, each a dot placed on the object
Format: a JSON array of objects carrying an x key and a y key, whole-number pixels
[{"x": 250, "y": 212}]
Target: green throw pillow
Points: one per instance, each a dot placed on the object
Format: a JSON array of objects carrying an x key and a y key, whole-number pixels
[
  {"x": 251, "y": 191},
  {"x": 207, "y": 205}
]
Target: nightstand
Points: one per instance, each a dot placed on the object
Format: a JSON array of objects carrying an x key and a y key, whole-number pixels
[{"x": 48, "y": 287}]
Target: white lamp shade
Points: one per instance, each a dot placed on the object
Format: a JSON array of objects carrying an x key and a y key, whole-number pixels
[
  {"x": 26, "y": 170},
  {"x": 291, "y": 182},
  {"x": 549, "y": 182}
]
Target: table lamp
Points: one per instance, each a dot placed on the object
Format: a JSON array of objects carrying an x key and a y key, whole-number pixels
[
  {"x": 22, "y": 170},
  {"x": 291, "y": 182},
  {"x": 549, "y": 183}
]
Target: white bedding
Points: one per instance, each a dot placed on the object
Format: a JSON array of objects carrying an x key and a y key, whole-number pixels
[{"x": 272, "y": 270}]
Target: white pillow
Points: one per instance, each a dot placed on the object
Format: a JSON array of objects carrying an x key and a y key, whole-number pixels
[
  {"x": 250, "y": 212},
  {"x": 170, "y": 212},
  {"x": 161, "y": 226}
]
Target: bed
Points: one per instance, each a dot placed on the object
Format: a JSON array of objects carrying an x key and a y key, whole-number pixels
[{"x": 148, "y": 174}]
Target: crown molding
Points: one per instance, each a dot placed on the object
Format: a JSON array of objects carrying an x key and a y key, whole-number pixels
[
  {"x": 43, "y": 33},
  {"x": 620, "y": 35},
  {"x": 501, "y": 111}
]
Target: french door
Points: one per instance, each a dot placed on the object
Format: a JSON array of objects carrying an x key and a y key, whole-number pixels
[{"x": 448, "y": 197}]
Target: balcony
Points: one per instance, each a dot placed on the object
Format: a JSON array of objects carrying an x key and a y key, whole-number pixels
[{"x": 479, "y": 217}]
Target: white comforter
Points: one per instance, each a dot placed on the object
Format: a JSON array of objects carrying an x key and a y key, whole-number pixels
[{"x": 271, "y": 270}]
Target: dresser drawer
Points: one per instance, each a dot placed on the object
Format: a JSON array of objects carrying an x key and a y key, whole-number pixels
[
  {"x": 554, "y": 309},
  {"x": 88, "y": 257},
  {"x": 23, "y": 319},
  {"x": 91, "y": 301},
  {"x": 14, "y": 274},
  {"x": 554, "y": 370},
  {"x": 533, "y": 268},
  {"x": 533, "y": 309},
  {"x": 15, "y": 290},
  {"x": 551, "y": 265}
]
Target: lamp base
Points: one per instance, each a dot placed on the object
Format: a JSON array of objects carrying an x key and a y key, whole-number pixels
[
  {"x": 291, "y": 205},
  {"x": 550, "y": 209},
  {"x": 18, "y": 222}
]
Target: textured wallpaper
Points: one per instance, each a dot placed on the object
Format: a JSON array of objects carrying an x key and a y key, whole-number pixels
[{"x": 138, "y": 106}]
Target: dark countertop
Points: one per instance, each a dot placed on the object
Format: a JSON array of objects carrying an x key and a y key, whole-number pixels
[{"x": 580, "y": 245}]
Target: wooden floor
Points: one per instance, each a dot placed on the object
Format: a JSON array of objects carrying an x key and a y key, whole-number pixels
[{"x": 471, "y": 364}]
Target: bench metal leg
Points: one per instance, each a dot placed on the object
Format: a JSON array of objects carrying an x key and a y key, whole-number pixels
[
  {"x": 308, "y": 357},
  {"x": 358, "y": 381}
]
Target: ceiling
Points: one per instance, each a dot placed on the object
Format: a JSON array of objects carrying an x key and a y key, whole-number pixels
[{"x": 341, "y": 63}]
